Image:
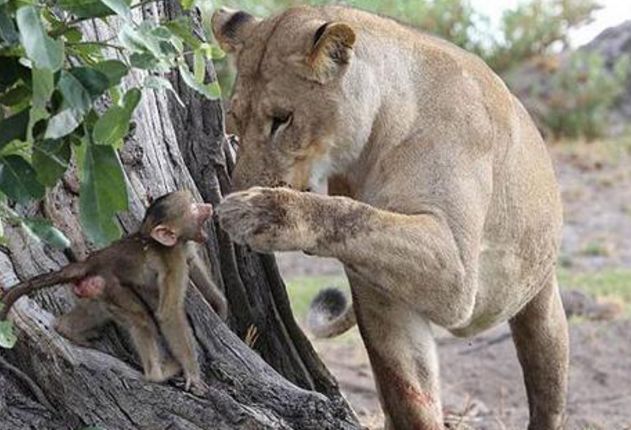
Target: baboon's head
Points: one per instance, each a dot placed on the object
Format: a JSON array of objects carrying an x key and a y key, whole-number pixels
[{"x": 289, "y": 104}]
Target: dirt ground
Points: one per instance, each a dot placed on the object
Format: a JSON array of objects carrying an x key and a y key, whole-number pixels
[{"x": 482, "y": 385}]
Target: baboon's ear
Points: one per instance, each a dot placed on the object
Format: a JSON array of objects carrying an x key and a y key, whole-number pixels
[
  {"x": 332, "y": 49},
  {"x": 231, "y": 27},
  {"x": 164, "y": 235}
]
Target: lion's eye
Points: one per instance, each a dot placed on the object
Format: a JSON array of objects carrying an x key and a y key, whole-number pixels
[{"x": 278, "y": 121}]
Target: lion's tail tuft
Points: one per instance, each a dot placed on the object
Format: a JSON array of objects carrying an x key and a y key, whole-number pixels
[{"x": 330, "y": 314}]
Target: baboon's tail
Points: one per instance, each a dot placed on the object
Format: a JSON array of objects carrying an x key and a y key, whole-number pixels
[
  {"x": 69, "y": 273},
  {"x": 330, "y": 314}
]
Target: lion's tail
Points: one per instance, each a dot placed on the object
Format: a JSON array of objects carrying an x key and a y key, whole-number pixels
[{"x": 330, "y": 314}]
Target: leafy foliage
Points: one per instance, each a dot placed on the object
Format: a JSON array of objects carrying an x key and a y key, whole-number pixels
[
  {"x": 53, "y": 87},
  {"x": 534, "y": 27},
  {"x": 42, "y": 229},
  {"x": 7, "y": 336},
  {"x": 580, "y": 94}
]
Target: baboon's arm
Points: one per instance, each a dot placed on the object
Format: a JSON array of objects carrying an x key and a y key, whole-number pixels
[{"x": 202, "y": 279}]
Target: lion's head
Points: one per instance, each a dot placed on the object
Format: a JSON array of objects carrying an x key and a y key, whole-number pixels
[{"x": 295, "y": 106}]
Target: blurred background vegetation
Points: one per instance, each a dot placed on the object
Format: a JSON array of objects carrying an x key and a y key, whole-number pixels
[{"x": 568, "y": 91}]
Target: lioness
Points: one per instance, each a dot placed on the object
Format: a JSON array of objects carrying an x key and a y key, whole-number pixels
[{"x": 450, "y": 211}]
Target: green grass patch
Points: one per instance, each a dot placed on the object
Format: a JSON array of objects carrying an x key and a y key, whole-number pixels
[
  {"x": 610, "y": 283},
  {"x": 302, "y": 290}
]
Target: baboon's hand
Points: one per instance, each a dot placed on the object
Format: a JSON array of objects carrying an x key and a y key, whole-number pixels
[{"x": 268, "y": 219}]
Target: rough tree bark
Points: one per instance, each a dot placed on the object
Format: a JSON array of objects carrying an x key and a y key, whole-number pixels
[{"x": 47, "y": 382}]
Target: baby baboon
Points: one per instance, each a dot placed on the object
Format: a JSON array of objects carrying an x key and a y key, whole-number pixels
[{"x": 137, "y": 278}]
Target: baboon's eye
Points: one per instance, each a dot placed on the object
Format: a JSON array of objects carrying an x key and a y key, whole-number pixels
[{"x": 280, "y": 120}]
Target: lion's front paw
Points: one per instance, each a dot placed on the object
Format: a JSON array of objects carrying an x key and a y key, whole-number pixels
[{"x": 263, "y": 218}]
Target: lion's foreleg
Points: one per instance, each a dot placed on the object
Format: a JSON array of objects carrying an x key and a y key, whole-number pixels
[
  {"x": 417, "y": 259},
  {"x": 412, "y": 258},
  {"x": 403, "y": 357}
]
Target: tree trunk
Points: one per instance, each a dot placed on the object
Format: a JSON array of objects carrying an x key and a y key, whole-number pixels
[{"x": 46, "y": 382}]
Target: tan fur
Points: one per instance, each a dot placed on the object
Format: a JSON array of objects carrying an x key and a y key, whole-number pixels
[{"x": 451, "y": 212}]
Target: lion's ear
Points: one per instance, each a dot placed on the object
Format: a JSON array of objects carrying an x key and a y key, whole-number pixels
[
  {"x": 332, "y": 49},
  {"x": 231, "y": 27}
]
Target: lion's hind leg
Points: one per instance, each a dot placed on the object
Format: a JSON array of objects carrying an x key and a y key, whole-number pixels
[{"x": 541, "y": 337}]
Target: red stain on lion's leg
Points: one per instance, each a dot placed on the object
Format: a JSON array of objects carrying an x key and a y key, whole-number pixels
[
  {"x": 410, "y": 392},
  {"x": 406, "y": 404}
]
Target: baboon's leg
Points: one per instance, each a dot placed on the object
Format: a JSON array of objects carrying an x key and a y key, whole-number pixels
[
  {"x": 170, "y": 368},
  {"x": 130, "y": 312},
  {"x": 403, "y": 356},
  {"x": 179, "y": 336},
  {"x": 82, "y": 322},
  {"x": 541, "y": 338}
]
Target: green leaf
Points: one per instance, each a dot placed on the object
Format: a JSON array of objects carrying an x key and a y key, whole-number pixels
[
  {"x": 15, "y": 95},
  {"x": 43, "y": 86},
  {"x": 41, "y": 229},
  {"x": 181, "y": 28},
  {"x": 211, "y": 91},
  {"x": 85, "y": 8},
  {"x": 169, "y": 49},
  {"x": 206, "y": 10},
  {"x": 36, "y": 114},
  {"x": 89, "y": 52},
  {"x": 212, "y": 52},
  {"x": 7, "y": 336},
  {"x": 187, "y": 4},
  {"x": 143, "y": 60},
  {"x": 116, "y": 94},
  {"x": 160, "y": 83},
  {"x": 130, "y": 39},
  {"x": 161, "y": 32},
  {"x": 76, "y": 103},
  {"x": 50, "y": 160},
  {"x": 93, "y": 81},
  {"x": 114, "y": 70},
  {"x": 63, "y": 123},
  {"x": 139, "y": 39},
  {"x": 112, "y": 126},
  {"x": 13, "y": 127},
  {"x": 73, "y": 35},
  {"x": 121, "y": 7},
  {"x": 45, "y": 52},
  {"x": 103, "y": 193},
  {"x": 76, "y": 94},
  {"x": 199, "y": 65},
  {"x": 17, "y": 147},
  {"x": 216, "y": 53},
  {"x": 131, "y": 99},
  {"x": 18, "y": 179},
  {"x": 147, "y": 38},
  {"x": 8, "y": 32}
]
